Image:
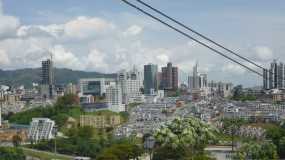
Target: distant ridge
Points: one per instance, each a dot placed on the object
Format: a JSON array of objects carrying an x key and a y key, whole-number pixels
[{"x": 29, "y": 75}]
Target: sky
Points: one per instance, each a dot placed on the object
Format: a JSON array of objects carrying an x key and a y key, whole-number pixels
[{"x": 107, "y": 35}]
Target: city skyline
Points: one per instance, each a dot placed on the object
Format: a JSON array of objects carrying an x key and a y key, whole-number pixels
[{"x": 80, "y": 36}]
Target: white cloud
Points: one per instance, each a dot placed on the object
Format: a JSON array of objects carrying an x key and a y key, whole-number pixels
[
  {"x": 8, "y": 27},
  {"x": 4, "y": 60},
  {"x": 163, "y": 58},
  {"x": 41, "y": 31},
  {"x": 85, "y": 27},
  {"x": 133, "y": 30},
  {"x": 96, "y": 60},
  {"x": 263, "y": 53},
  {"x": 64, "y": 58},
  {"x": 233, "y": 69}
]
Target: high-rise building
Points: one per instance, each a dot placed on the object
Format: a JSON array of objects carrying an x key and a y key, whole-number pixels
[
  {"x": 47, "y": 84},
  {"x": 169, "y": 77},
  {"x": 265, "y": 79},
  {"x": 47, "y": 72},
  {"x": 190, "y": 82},
  {"x": 114, "y": 98},
  {"x": 195, "y": 77},
  {"x": 41, "y": 129},
  {"x": 203, "y": 82},
  {"x": 131, "y": 83},
  {"x": 150, "y": 78},
  {"x": 280, "y": 76},
  {"x": 274, "y": 78}
]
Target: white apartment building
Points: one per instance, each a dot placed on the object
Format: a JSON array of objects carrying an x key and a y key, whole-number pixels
[
  {"x": 131, "y": 82},
  {"x": 41, "y": 129},
  {"x": 114, "y": 98}
]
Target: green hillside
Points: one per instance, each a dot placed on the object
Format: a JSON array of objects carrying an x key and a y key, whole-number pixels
[{"x": 28, "y": 76}]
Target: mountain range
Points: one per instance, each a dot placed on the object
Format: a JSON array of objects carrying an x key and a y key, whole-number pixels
[{"x": 29, "y": 76}]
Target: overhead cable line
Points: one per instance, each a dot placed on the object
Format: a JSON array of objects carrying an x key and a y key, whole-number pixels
[
  {"x": 199, "y": 34},
  {"x": 190, "y": 37}
]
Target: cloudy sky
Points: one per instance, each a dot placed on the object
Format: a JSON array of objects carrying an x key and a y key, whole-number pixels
[{"x": 107, "y": 35}]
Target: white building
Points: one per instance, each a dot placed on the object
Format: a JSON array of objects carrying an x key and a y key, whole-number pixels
[
  {"x": 114, "y": 98},
  {"x": 131, "y": 83},
  {"x": 41, "y": 129},
  {"x": 95, "y": 86}
]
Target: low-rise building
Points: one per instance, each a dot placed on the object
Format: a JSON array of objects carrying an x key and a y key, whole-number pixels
[
  {"x": 100, "y": 121},
  {"x": 41, "y": 129}
]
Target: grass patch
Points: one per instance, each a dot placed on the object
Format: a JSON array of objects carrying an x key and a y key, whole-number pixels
[{"x": 45, "y": 155}]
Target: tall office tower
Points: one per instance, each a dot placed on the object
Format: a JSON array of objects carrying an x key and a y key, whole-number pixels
[
  {"x": 195, "y": 77},
  {"x": 203, "y": 81},
  {"x": 159, "y": 80},
  {"x": 169, "y": 77},
  {"x": 273, "y": 75},
  {"x": 131, "y": 83},
  {"x": 280, "y": 75},
  {"x": 1, "y": 105},
  {"x": 265, "y": 79},
  {"x": 150, "y": 78},
  {"x": 47, "y": 88},
  {"x": 174, "y": 77},
  {"x": 41, "y": 129},
  {"x": 190, "y": 82}
]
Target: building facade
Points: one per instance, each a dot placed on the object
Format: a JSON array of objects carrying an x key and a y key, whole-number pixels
[
  {"x": 150, "y": 79},
  {"x": 41, "y": 129},
  {"x": 99, "y": 121},
  {"x": 131, "y": 83},
  {"x": 169, "y": 77},
  {"x": 114, "y": 98},
  {"x": 95, "y": 86},
  {"x": 47, "y": 83},
  {"x": 274, "y": 77}
]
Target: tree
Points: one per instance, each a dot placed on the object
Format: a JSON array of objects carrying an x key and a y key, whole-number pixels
[
  {"x": 252, "y": 150},
  {"x": 17, "y": 139},
  {"x": 237, "y": 92},
  {"x": 232, "y": 125},
  {"x": 8, "y": 153},
  {"x": 190, "y": 135}
]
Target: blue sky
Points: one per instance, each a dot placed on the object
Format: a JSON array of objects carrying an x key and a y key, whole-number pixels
[{"x": 107, "y": 35}]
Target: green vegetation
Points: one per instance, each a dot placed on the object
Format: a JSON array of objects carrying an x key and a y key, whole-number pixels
[
  {"x": 44, "y": 155},
  {"x": 9, "y": 153},
  {"x": 66, "y": 106},
  {"x": 238, "y": 94},
  {"x": 89, "y": 142},
  {"x": 277, "y": 135},
  {"x": 132, "y": 105},
  {"x": 27, "y": 76},
  {"x": 252, "y": 150},
  {"x": 183, "y": 139},
  {"x": 125, "y": 149}
]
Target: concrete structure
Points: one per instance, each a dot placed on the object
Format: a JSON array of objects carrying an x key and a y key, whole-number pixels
[
  {"x": 195, "y": 77},
  {"x": 70, "y": 89},
  {"x": 95, "y": 86},
  {"x": 190, "y": 83},
  {"x": 131, "y": 83},
  {"x": 169, "y": 79},
  {"x": 150, "y": 78},
  {"x": 100, "y": 121},
  {"x": 47, "y": 84},
  {"x": 114, "y": 98},
  {"x": 274, "y": 77},
  {"x": 41, "y": 129},
  {"x": 220, "y": 152}
]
